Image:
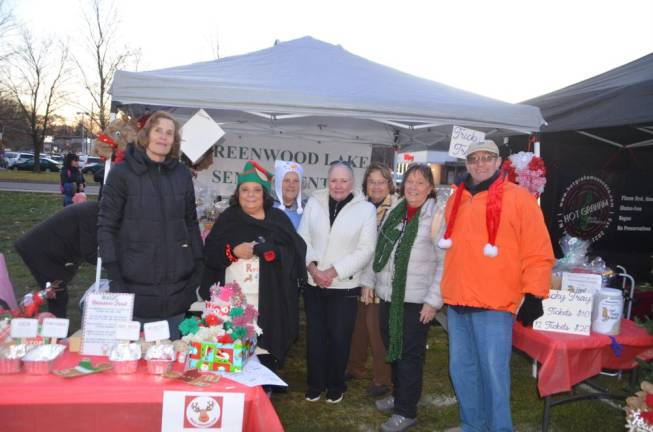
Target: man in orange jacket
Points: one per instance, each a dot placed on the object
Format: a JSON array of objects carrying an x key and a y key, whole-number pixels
[{"x": 498, "y": 263}]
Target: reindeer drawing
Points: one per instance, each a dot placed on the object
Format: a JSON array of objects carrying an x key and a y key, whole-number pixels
[{"x": 203, "y": 412}]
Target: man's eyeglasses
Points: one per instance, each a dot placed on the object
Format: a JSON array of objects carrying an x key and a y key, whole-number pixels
[{"x": 474, "y": 160}]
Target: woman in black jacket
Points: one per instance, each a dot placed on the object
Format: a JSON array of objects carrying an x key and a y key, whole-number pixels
[
  {"x": 147, "y": 226},
  {"x": 250, "y": 227}
]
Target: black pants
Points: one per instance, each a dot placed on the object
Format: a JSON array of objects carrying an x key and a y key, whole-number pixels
[
  {"x": 407, "y": 371},
  {"x": 330, "y": 318}
]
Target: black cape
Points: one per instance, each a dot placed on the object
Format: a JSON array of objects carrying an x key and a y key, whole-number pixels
[{"x": 280, "y": 281}]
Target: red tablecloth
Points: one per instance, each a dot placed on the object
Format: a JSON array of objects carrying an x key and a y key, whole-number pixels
[
  {"x": 109, "y": 402},
  {"x": 569, "y": 359}
]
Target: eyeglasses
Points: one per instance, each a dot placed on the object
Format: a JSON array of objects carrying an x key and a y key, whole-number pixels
[
  {"x": 377, "y": 182},
  {"x": 475, "y": 160}
]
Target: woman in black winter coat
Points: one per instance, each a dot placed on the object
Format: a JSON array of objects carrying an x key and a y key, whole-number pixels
[
  {"x": 147, "y": 226},
  {"x": 72, "y": 179},
  {"x": 249, "y": 227}
]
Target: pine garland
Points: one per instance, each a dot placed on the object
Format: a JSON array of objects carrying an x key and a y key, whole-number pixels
[{"x": 388, "y": 237}]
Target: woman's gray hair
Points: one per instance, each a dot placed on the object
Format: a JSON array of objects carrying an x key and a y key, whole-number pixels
[{"x": 344, "y": 164}]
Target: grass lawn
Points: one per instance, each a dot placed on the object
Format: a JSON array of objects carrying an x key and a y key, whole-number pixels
[
  {"x": 29, "y": 176},
  {"x": 438, "y": 411}
]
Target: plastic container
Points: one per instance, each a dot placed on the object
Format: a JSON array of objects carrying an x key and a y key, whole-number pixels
[
  {"x": 158, "y": 367},
  {"x": 9, "y": 366},
  {"x": 608, "y": 311},
  {"x": 38, "y": 367},
  {"x": 39, "y": 360},
  {"x": 123, "y": 367}
]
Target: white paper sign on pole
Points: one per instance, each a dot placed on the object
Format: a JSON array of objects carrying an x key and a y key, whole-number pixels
[
  {"x": 566, "y": 312},
  {"x": 24, "y": 327},
  {"x": 190, "y": 411},
  {"x": 199, "y": 134},
  {"x": 102, "y": 311},
  {"x": 581, "y": 282},
  {"x": 158, "y": 330},
  {"x": 461, "y": 139},
  {"x": 55, "y": 327}
]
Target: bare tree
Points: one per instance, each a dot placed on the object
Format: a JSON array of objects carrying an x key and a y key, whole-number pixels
[
  {"x": 7, "y": 26},
  {"x": 102, "y": 57},
  {"x": 34, "y": 78}
]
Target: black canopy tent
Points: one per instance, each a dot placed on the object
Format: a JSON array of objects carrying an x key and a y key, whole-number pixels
[{"x": 598, "y": 148}]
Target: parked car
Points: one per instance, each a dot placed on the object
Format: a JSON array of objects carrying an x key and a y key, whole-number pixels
[
  {"x": 92, "y": 167},
  {"x": 85, "y": 160},
  {"x": 13, "y": 158},
  {"x": 8, "y": 159},
  {"x": 57, "y": 158},
  {"x": 45, "y": 164}
]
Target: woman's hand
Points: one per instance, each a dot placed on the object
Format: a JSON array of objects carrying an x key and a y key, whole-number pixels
[
  {"x": 367, "y": 295},
  {"x": 427, "y": 313},
  {"x": 321, "y": 280},
  {"x": 244, "y": 250}
]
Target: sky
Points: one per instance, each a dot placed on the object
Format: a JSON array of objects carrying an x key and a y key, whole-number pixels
[{"x": 507, "y": 50}]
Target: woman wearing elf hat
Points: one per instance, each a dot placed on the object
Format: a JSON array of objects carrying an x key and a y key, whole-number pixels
[
  {"x": 339, "y": 227},
  {"x": 288, "y": 189},
  {"x": 498, "y": 263},
  {"x": 250, "y": 227},
  {"x": 405, "y": 274}
]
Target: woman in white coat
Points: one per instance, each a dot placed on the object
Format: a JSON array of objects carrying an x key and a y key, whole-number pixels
[{"x": 339, "y": 228}]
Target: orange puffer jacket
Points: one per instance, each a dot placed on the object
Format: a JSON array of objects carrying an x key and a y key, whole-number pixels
[{"x": 525, "y": 255}]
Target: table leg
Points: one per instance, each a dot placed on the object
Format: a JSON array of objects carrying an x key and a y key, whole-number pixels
[{"x": 545, "y": 419}]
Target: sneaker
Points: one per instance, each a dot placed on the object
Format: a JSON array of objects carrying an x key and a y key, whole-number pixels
[
  {"x": 397, "y": 423},
  {"x": 313, "y": 395},
  {"x": 377, "y": 390},
  {"x": 334, "y": 397},
  {"x": 385, "y": 405}
]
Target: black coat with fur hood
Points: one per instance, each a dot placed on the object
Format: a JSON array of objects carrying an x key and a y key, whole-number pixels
[{"x": 148, "y": 234}]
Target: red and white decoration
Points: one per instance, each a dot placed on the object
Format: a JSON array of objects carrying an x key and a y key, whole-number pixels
[{"x": 526, "y": 170}]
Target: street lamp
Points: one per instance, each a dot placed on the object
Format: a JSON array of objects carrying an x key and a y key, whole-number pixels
[{"x": 84, "y": 146}]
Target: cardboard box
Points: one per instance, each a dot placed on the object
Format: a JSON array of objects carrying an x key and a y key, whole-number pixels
[
  {"x": 218, "y": 357},
  {"x": 75, "y": 341}
]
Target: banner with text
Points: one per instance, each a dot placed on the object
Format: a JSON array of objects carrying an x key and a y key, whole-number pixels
[
  {"x": 230, "y": 154},
  {"x": 614, "y": 210}
]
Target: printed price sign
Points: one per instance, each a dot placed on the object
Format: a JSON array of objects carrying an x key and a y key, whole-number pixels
[
  {"x": 461, "y": 139},
  {"x": 55, "y": 327},
  {"x": 24, "y": 327},
  {"x": 128, "y": 330},
  {"x": 581, "y": 282},
  {"x": 158, "y": 330},
  {"x": 566, "y": 312}
]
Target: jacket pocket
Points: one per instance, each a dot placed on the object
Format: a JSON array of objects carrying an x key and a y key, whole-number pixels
[
  {"x": 184, "y": 262},
  {"x": 137, "y": 262}
]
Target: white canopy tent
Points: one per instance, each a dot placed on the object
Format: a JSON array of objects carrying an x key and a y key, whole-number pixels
[{"x": 316, "y": 91}]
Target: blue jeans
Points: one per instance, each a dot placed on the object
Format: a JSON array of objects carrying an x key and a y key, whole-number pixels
[{"x": 480, "y": 345}]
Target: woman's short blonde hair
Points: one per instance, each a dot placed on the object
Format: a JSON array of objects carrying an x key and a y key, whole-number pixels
[{"x": 143, "y": 135}]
